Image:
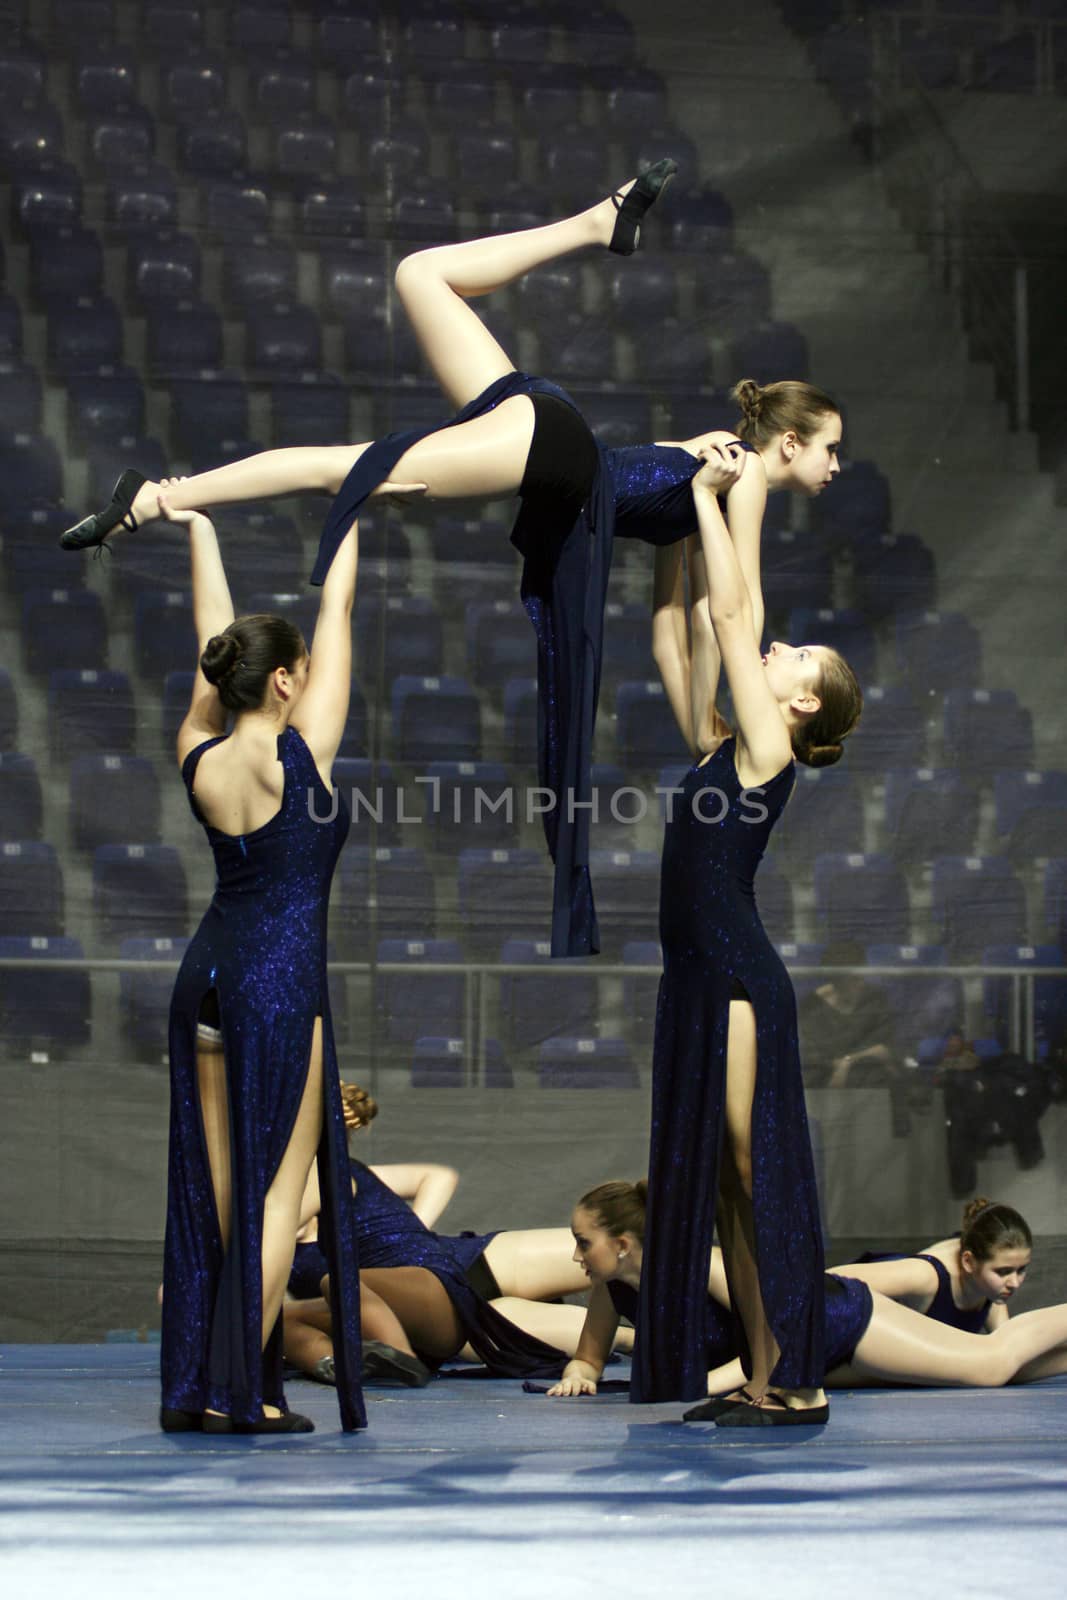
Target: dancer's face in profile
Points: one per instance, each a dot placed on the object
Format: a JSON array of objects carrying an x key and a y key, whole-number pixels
[
  {"x": 999, "y": 1277},
  {"x": 793, "y": 673},
  {"x": 813, "y": 466},
  {"x": 595, "y": 1249}
]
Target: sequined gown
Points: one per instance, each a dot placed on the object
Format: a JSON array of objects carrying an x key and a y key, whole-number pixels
[
  {"x": 389, "y": 1234},
  {"x": 643, "y": 492},
  {"x": 261, "y": 948},
  {"x": 712, "y": 938}
]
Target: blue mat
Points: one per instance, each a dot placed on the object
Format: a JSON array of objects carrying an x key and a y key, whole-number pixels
[{"x": 471, "y": 1489}]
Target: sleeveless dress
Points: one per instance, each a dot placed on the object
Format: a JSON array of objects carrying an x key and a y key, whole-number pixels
[
  {"x": 261, "y": 947},
  {"x": 389, "y": 1234},
  {"x": 848, "y": 1307},
  {"x": 713, "y": 940},
  {"x": 643, "y": 492},
  {"x": 942, "y": 1307}
]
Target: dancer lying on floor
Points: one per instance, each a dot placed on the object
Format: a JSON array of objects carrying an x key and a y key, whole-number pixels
[
  {"x": 965, "y": 1281},
  {"x": 514, "y": 434},
  {"x": 478, "y": 1297},
  {"x": 869, "y": 1339}
]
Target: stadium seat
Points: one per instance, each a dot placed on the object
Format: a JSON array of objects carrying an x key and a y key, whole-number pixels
[
  {"x": 144, "y": 997},
  {"x": 585, "y": 1063},
  {"x": 827, "y": 803},
  {"x": 193, "y": 82},
  {"x": 106, "y": 404},
  {"x": 84, "y": 334},
  {"x": 90, "y": 712},
  {"x": 929, "y": 812},
  {"x": 63, "y": 628},
  {"x": 139, "y": 889},
  {"x": 976, "y": 900},
  {"x": 142, "y": 196},
  {"x": 502, "y": 894},
  {"x": 9, "y": 712},
  {"x": 987, "y": 730},
  {"x": 47, "y": 198},
  {"x": 213, "y": 143},
  {"x": 31, "y": 468},
  {"x": 113, "y": 799},
  {"x": 122, "y": 136},
  {"x": 857, "y": 894},
  {"x": 894, "y": 572},
  {"x": 42, "y": 1008},
  {"x": 31, "y": 887},
  {"x": 1031, "y": 813},
  {"x": 398, "y": 635},
  {"x": 283, "y": 337},
  {"x": 535, "y": 1007},
  {"x": 626, "y": 885},
  {"x": 66, "y": 263},
  {"x": 182, "y": 338},
  {"x": 646, "y": 733},
  {"x": 385, "y": 893},
  {"x": 435, "y": 718},
  {"x": 938, "y": 650},
  {"x": 412, "y": 1004},
  {"x": 440, "y": 1063},
  {"x": 930, "y": 1003},
  {"x": 470, "y": 804},
  {"x": 21, "y": 803}
]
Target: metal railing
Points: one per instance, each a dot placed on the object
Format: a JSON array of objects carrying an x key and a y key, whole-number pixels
[{"x": 479, "y": 976}]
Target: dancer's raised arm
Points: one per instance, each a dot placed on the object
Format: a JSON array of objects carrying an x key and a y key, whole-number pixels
[
  {"x": 212, "y": 612},
  {"x": 322, "y": 711}
]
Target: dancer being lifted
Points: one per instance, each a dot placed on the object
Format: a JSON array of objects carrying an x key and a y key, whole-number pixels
[
  {"x": 729, "y": 1131},
  {"x": 517, "y": 434},
  {"x": 255, "y": 1094}
]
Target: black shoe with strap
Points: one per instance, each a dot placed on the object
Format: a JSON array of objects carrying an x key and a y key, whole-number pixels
[
  {"x": 118, "y": 513},
  {"x": 289, "y": 1422},
  {"x": 635, "y": 202}
]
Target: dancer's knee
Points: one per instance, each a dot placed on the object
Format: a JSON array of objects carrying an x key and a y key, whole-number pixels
[{"x": 412, "y": 271}]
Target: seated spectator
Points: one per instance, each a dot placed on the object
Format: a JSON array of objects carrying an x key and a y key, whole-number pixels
[{"x": 847, "y": 1034}]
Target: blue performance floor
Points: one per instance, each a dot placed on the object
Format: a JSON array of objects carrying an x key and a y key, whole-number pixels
[{"x": 472, "y": 1488}]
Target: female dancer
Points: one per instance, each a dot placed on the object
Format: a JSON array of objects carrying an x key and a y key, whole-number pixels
[
  {"x": 726, "y": 1069},
  {"x": 867, "y": 1337},
  {"x": 965, "y": 1281},
  {"x": 254, "y": 1086},
  {"x": 517, "y": 434},
  {"x": 473, "y": 1295}
]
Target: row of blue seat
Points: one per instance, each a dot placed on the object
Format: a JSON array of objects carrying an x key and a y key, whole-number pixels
[
  {"x": 536, "y": 1012},
  {"x": 343, "y": 35},
  {"x": 93, "y": 711},
  {"x": 925, "y": 813},
  {"x": 141, "y": 889}
]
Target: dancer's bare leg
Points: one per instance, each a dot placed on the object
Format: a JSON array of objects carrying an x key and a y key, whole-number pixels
[
  {"x": 902, "y": 1346},
  {"x": 308, "y": 1326},
  {"x": 735, "y": 1218},
  {"x": 559, "y": 1326},
  {"x": 281, "y": 1206},
  {"x": 215, "y": 1115},
  {"x": 433, "y": 286},
  {"x": 535, "y": 1263}
]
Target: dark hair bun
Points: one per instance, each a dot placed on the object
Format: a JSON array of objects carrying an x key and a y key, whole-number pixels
[
  {"x": 820, "y": 755},
  {"x": 974, "y": 1207},
  {"x": 222, "y": 654},
  {"x": 749, "y": 397}
]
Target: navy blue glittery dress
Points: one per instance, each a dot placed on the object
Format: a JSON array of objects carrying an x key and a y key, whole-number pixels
[
  {"x": 642, "y": 492},
  {"x": 389, "y": 1234},
  {"x": 261, "y": 948},
  {"x": 848, "y": 1306},
  {"x": 713, "y": 940},
  {"x": 943, "y": 1307}
]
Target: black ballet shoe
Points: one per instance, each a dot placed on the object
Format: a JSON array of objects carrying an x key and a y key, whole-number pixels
[
  {"x": 174, "y": 1421},
  {"x": 772, "y": 1413},
  {"x": 117, "y": 513},
  {"x": 291, "y": 1422},
  {"x": 709, "y": 1410},
  {"x": 389, "y": 1365},
  {"x": 633, "y": 205}
]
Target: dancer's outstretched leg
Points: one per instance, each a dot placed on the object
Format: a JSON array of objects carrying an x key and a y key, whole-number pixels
[{"x": 485, "y": 457}]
